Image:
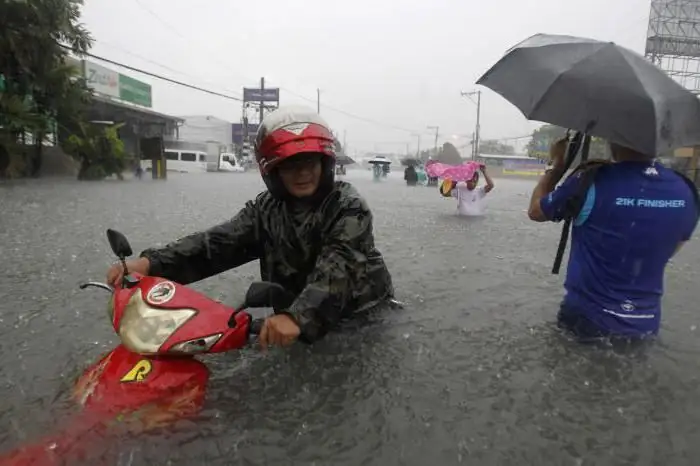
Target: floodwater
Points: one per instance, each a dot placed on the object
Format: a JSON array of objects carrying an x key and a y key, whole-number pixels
[{"x": 472, "y": 371}]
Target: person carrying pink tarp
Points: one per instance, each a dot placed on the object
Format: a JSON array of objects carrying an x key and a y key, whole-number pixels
[{"x": 460, "y": 182}]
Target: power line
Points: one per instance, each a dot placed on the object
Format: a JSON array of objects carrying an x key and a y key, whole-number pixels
[
  {"x": 160, "y": 20},
  {"x": 157, "y": 76},
  {"x": 238, "y": 99},
  {"x": 160, "y": 65},
  {"x": 526, "y": 136},
  {"x": 308, "y": 99},
  {"x": 357, "y": 117}
]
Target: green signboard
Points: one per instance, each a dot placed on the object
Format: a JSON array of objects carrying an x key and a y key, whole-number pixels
[{"x": 135, "y": 92}]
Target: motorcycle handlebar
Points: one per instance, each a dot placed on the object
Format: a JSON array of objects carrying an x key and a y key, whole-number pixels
[
  {"x": 256, "y": 326},
  {"x": 100, "y": 285}
]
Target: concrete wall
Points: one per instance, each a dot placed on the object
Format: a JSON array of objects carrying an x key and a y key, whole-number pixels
[{"x": 179, "y": 144}]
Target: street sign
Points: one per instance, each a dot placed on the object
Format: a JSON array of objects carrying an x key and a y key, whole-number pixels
[
  {"x": 237, "y": 132},
  {"x": 261, "y": 95}
]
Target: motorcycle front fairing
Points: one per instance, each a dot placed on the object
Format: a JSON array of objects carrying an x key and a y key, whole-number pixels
[
  {"x": 190, "y": 323},
  {"x": 123, "y": 381},
  {"x": 123, "y": 392}
]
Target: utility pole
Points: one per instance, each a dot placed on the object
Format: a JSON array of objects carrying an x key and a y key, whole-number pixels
[
  {"x": 418, "y": 148},
  {"x": 262, "y": 100},
  {"x": 477, "y": 138},
  {"x": 477, "y": 133},
  {"x": 437, "y": 134},
  {"x": 318, "y": 101}
]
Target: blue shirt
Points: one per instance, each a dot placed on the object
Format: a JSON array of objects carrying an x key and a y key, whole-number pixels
[{"x": 631, "y": 223}]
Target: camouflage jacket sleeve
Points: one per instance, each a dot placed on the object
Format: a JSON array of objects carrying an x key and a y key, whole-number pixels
[
  {"x": 202, "y": 255},
  {"x": 328, "y": 289}
]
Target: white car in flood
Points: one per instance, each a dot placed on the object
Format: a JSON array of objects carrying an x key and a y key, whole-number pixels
[
  {"x": 184, "y": 161},
  {"x": 229, "y": 163}
]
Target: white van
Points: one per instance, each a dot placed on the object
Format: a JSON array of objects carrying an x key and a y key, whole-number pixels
[
  {"x": 182, "y": 161},
  {"x": 229, "y": 163}
]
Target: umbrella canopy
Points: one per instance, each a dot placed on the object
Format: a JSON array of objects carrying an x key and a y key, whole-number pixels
[
  {"x": 379, "y": 160},
  {"x": 342, "y": 159},
  {"x": 599, "y": 88},
  {"x": 411, "y": 162}
]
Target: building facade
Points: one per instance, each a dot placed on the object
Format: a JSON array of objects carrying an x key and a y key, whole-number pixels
[{"x": 201, "y": 129}]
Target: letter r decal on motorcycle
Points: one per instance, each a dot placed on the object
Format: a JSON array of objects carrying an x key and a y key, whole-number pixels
[{"x": 139, "y": 372}]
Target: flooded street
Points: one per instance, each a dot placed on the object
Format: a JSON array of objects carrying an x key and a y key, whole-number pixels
[{"x": 472, "y": 371}]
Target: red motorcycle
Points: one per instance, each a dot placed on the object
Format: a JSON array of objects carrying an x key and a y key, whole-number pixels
[{"x": 152, "y": 378}]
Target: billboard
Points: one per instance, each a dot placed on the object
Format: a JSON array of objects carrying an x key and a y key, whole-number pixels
[
  {"x": 101, "y": 80},
  {"x": 261, "y": 95},
  {"x": 105, "y": 81},
  {"x": 674, "y": 28},
  {"x": 237, "y": 132},
  {"x": 134, "y": 91}
]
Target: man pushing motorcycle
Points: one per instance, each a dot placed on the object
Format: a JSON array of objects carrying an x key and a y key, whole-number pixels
[{"x": 313, "y": 235}]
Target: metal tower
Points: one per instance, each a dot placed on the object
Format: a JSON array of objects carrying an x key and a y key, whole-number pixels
[{"x": 673, "y": 40}]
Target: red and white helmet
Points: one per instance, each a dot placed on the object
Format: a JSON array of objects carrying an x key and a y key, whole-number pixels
[{"x": 289, "y": 131}]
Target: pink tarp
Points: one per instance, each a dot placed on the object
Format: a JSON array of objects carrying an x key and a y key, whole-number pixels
[{"x": 464, "y": 172}]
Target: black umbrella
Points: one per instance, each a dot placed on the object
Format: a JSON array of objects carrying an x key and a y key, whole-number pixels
[
  {"x": 342, "y": 159},
  {"x": 410, "y": 162},
  {"x": 598, "y": 88}
]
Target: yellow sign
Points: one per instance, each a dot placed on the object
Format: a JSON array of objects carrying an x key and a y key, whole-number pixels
[
  {"x": 139, "y": 372},
  {"x": 523, "y": 172}
]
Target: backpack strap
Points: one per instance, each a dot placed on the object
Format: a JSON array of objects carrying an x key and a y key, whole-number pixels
[{"x": 586, "y": 171}]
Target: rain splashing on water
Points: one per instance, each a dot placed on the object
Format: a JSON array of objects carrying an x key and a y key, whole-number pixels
[{"x": 471, "y": 370}]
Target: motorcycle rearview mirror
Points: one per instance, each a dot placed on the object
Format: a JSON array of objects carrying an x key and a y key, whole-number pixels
[
  {"x": 119, "y": 244},
  {"x": 121, "y": 248},
  {"x": 268, "y": 294}
]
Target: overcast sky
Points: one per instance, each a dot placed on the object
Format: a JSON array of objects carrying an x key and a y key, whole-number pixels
[{"x": 395, "y": 63}]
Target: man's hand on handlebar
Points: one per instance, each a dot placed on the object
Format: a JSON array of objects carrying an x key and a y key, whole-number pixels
[
  {"x": 115, "y": 274},
  {"x": 279, "y": 330}
]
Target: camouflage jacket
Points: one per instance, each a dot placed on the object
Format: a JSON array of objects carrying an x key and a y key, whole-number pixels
[{"x": 325, "y": 255}]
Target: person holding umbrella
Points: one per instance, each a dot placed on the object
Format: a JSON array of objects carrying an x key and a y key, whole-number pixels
[
  {"x": 629, "y": 216},
  {"x": 637, "y": 214},
  {"x": 470, "y": 196}
]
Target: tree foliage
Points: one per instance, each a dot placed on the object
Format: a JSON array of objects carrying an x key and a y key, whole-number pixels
[
  {"x": 544, "y": 136},
  {"x": 99, "y": 151},
  {"x": 495, "y": 147},
  {"x": 449, "y": 155},
  {"x": 40, "y": 89}
]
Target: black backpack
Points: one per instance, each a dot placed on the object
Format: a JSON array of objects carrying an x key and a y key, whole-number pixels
[{"x": 587, "y": 171}]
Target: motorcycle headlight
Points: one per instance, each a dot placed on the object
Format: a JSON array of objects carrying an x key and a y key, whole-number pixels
[
  {"x": 198, "y": 345},
  {"x": 144, "y": 329}
]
